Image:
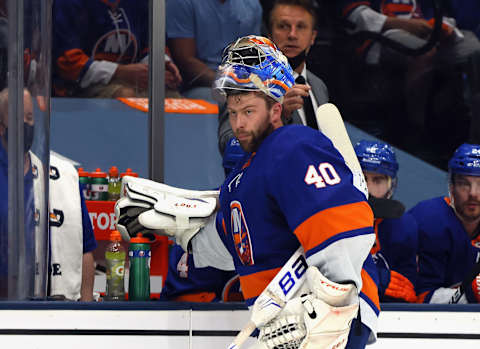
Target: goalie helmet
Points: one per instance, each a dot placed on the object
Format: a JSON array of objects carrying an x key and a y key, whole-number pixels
[
  {"x": 465, "y": 161},
  {"x": 253, "y": 63},
  {"x": 377, "y": 157}
]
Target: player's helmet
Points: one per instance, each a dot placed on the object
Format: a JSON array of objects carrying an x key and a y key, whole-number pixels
[
  {"x": 253, "y": 63},
  {"x": 377, "y": 157},
  {"x": 465, "y": 160}
]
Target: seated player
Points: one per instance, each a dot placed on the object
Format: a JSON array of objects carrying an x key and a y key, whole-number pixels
[
  {"x": 449, "y": 239},
  {"x": 186, "y": 283},
  {"x": 395, "y": 249}
]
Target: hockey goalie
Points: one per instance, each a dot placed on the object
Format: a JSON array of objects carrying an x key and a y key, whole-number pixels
[{"x": 289, "y": 219}]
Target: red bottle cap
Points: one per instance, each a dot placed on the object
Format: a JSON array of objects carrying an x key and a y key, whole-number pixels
[
  {"x": 115, "y": 235},
  {"x": 139, "y": 239},
  {"x": 113, "y": 172},
  {"x": 98, "y": 173},
  {"x": 129, "y": 172},
  {"x": 82, "y": 172}
]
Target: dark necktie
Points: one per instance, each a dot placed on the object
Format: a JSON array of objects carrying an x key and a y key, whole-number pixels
[{"x": 308, "y": 106}]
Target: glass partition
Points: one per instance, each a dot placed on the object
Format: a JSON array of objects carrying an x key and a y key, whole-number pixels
[
  {"x": 24, "y": 131},
  {"x": 101, "y": 67}
]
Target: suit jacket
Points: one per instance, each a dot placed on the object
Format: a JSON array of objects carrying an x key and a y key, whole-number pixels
[{"x": 319, "y": 90}]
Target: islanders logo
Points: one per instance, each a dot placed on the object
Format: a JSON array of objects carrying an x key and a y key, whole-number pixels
[
  {"x": 56, "y": 218},
  {"x": 240, "y": 234}
]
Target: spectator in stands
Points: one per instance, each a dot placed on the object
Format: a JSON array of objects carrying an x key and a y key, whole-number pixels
[
  {"x": 100, "y": 49},
  {"x": 408, "y": 23},
  {"x": 292, "y": 26},
  {"x": 449, "y": 240},
  {"x": 466, "y": 13},
  {"x": 199, "y": 30},
  {"x": 71, "y": 240},
  {"x": 396, "y": 243},
  {"x": 186, "y": 283}
]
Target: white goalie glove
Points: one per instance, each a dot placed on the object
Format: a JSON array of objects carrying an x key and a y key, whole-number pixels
[
  {"x": 150, "y": 207},
  {"x": 320, "y": 319}
]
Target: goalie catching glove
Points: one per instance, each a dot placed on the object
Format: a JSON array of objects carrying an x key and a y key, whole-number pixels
[
  {"x": 321, "y": 319},
  {"x": 150, "y": 207}
]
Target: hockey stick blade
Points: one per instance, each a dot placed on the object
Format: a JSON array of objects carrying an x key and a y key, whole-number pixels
[
  {"x": 274, "y": 297},
  {"x": 330, "y": 123}
]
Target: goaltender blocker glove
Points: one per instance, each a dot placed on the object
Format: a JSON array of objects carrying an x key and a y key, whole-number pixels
[
  {"x": 321, "y": 319},
  {"x": 150, "y": 207}
]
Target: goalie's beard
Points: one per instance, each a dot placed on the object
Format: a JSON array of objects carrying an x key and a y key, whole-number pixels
[{"x": 256, "y": 138}]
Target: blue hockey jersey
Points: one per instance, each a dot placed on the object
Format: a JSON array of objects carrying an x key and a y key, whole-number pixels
[
  {"x": 88, "y": 30},
  {"x": 446, "y": 252},
  {"x": 296, "y": 189},
  {"x": 397, "y": 243},
  {"x": 185, "y": 282}
]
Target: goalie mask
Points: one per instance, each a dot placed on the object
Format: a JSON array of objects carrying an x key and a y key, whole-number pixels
[
  {"x": 253, "y": 63},
  {"x": 378, "y": 157}
]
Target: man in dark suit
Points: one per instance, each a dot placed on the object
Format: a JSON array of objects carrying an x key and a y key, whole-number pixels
[{"x": 292, "y": 28}]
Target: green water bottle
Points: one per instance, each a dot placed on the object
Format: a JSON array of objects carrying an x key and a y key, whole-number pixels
[
  {"x": 115, "y": 261},
  {"x": 84, "y": 179},
  {"x": 139, "y": 255},
  {"x": 99, "y": 185}
]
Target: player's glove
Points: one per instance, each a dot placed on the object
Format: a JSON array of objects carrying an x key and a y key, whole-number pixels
[
  {"x": 476, "y": 288},
  {"x": 320, "y": 319},
  {"x": 147, "y": 206},
  {"x": 393, "y": 284},
  {"x": 472, "y": 290}
]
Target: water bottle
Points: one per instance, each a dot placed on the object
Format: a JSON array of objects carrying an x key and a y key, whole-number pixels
[
  {"x": 114, "y": 184},
  {"x": 99, "y": 185},
  {"x": 84, "y": 179},
  {"x": 115, "y": 260},
  {"x": 139, "y": 254}
]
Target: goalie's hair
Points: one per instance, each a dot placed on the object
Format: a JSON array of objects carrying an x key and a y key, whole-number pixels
[{"x": 268, "y": 100}]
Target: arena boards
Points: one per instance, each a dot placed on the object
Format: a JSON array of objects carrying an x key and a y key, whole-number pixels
[{"x": 207, "y": 326}]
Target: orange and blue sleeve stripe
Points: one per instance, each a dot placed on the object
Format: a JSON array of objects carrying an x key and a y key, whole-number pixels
[
  {"x": 369, "y": 292},
  {"x": 393, "y": 10},
  {"x": 253, "y": 284},
  {"x": 333, "y": 224},
  {"x": 73, "y": 64}
]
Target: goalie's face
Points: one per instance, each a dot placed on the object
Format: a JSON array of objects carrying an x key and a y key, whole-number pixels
[
  {"x": 252, "y": 120},
  {"x": 465, "y": 191},
  {"x": 378, "y": 184}
]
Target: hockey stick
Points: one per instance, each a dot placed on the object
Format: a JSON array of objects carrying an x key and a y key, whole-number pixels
[
  {"x": 467, "y": 282},
  {"x": 330, "y": 123},
  {"x": 274, "y": 297}
]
